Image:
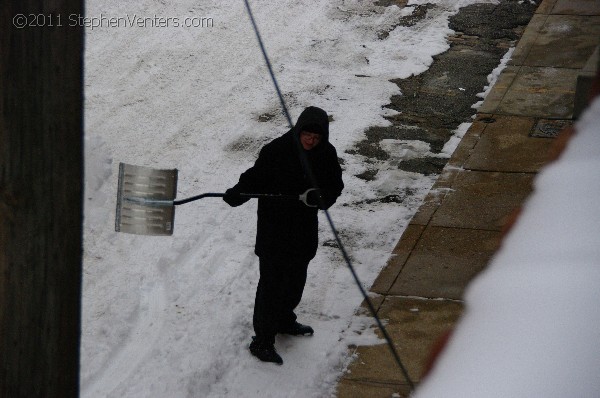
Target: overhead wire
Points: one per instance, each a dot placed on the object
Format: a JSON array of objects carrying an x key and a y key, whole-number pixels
[{"x": 313, "y": 181}]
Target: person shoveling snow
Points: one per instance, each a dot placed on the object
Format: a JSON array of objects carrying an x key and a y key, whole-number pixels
[{"x": 287, "y": 232}]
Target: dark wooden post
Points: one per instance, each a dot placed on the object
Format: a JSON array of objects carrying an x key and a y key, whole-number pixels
[{"x": 41, "y": 172}]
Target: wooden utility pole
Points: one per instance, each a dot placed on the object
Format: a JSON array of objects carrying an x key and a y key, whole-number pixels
[{"x": 41, "y": 180}]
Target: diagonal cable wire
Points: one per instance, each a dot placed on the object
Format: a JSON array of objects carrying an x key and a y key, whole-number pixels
[
  {"x": 268, "y": 62},
  {"x": 313, "y": 181}
]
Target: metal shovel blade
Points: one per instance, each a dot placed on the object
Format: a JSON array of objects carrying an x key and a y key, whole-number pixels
[{"x": 145, "y": 200}]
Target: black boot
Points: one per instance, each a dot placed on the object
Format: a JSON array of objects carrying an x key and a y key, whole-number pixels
[
  {"x": 265, "y": 351},
  {"x": 297, "y": 329}
]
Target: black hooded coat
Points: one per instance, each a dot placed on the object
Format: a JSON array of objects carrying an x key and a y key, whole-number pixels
[{"x": 289, "y": 227}]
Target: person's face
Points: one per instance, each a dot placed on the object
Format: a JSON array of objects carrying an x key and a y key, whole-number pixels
[{"x": 309, "y": 140}]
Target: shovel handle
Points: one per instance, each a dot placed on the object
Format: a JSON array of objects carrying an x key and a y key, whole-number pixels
[
  {"x": 197, "y": 197},
  {"x": 168, "y": 203},
  {"x": 302, "y": 198}
]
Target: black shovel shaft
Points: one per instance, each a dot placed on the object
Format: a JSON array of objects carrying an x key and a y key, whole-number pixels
[
  {"x": 197, "y": 197},
  {"x": 244, "y": 195},
  {"x": 157, "y": 202}
]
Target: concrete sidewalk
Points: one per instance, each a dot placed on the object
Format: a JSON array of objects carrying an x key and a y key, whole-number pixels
[{"x": 459, "y": 226}]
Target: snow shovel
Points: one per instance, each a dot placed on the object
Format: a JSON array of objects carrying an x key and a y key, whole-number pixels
[{"x": 146, "y": 200}]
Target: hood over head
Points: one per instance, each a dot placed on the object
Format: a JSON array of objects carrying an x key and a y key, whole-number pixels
[{"x": 314, "y": 120}]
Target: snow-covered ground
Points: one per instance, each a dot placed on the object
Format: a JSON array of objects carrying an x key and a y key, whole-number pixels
[{"x": 171, "y": 316}]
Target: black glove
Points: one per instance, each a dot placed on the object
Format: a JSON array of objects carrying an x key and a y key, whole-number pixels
[{"x": 232, "y": 198}]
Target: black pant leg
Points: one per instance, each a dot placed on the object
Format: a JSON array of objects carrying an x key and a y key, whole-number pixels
[
  {"x": 295, "y": 282},
  {"x": 269, "y": 300},
  {"x": 279, "y": 292}
]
